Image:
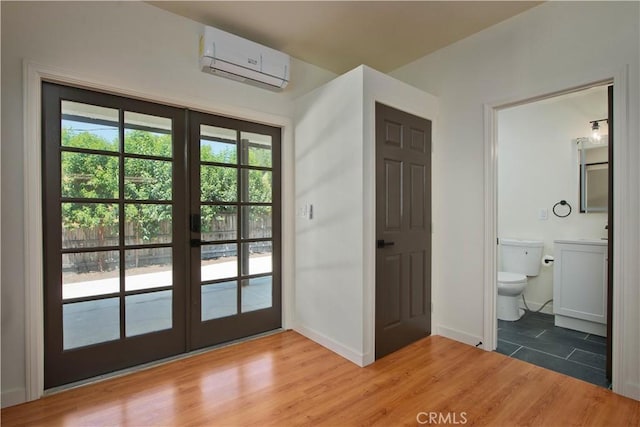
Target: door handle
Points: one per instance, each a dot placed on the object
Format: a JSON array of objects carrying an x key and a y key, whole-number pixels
[
  {"x": 196, "y": 243},
  {"x": 194, "y": 223},
  {"x": 383, "y": 244}
]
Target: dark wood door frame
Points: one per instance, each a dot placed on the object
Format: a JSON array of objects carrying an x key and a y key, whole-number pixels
[{"x": 610, "y": 254}]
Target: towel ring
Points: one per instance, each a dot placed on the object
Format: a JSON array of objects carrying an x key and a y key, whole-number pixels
[{"x": 562, "y": 203}]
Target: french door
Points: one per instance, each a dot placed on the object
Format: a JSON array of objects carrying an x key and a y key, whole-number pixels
[
  {"x": 161, "y": 231},
  {"x": 235, "y": 228}
]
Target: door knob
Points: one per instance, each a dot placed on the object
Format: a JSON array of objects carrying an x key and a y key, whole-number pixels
[{"x": 382, "y": 243}]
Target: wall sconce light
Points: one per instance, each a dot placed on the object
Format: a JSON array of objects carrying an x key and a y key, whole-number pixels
[{"x": 595, "y": 130}]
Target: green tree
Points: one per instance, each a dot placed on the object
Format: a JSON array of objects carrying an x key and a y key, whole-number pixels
[
  {"x": 147, "y": 179},
  {"x": 96, "y": 176},
  {"x": 89, "y": 176},
  {"x": 219, "y": 184}
]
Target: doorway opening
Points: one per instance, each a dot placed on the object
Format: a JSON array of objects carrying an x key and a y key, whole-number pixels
[{"x": 554, "y": 229}]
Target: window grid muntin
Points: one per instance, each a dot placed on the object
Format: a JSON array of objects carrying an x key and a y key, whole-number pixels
[
  {"x": 241, "y": 165},
  {"x": 121, "y": 201}
]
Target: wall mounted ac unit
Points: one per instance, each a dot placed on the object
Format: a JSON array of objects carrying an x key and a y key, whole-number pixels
[{"x": 227, "y": 55}]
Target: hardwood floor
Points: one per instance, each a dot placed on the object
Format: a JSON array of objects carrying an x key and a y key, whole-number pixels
[{"x": 286, "y": 379}]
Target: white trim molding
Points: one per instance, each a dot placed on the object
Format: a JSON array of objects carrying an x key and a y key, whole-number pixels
[
  {"x": 490, "y": 229},
  {"x": 626, "y": 249},
  {"x": 33, "y": 245},
  {"x": 33, "y": 76}
]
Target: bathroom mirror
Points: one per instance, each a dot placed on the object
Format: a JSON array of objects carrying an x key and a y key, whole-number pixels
[{"x": 594, "y": 176}]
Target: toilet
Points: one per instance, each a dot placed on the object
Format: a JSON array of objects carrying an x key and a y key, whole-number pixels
[{"x": 518, "y": 259}]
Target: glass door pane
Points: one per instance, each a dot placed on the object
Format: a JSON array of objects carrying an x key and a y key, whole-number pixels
[
  {"x": 148, "y": 193},
  {"x": 257, "y": 195},
  {"x": 235, "y": 204},
  {"x": 218, "y": 221},
  {"x": 90, "y": 213}
]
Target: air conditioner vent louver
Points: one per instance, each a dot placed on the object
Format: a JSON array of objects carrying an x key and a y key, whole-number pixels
[{"x": 227, "y": 55}]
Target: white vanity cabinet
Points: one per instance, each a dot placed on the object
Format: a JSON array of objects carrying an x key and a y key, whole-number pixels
[{"x": 580, "y": 285}]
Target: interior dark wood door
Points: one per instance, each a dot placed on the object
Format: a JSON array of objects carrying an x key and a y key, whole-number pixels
[
  {"x": 235, "y": 229},
  {"x": 403, "y": 229},
  {"x": 114, "y": 240}
]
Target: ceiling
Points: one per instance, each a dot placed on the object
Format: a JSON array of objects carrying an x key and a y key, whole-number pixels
[{"x": 340, "y": 35}]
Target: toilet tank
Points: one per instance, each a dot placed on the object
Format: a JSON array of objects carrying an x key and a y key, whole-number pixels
[{"x": 521, "y": 256}]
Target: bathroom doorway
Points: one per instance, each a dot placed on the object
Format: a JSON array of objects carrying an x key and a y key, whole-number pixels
[{"x": 554, "y": 186}]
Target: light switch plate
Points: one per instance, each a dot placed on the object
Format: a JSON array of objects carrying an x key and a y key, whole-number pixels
[{"x": 543, "y": 214}]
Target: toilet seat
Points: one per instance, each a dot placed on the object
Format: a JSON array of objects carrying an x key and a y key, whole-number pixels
[{"x": 508, "y": 278}]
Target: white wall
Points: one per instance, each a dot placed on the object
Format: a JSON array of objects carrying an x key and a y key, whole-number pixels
[
  {"x": 127, "y": 46},
  {"x": 329, "y": 246},
  {"x": 554, "y": 46},
  {"x": 538, "y": 165},
  {"x": 335, "y": 172}
]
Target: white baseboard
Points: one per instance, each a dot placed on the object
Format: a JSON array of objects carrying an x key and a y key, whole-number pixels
[
  {"x": 631, "y": 390},
  {"x": 13, "y": 397},
  {"x": 462, "y": 337},
  {"x": 535, "y": 306},
  {"x": 342, "y": 350}
]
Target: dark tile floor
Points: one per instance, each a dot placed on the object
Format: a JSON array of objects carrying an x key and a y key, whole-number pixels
[{"x": 535, "y": 339}]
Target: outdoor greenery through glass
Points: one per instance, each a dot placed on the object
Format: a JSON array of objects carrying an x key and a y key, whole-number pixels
[
  {"x": 220, "y": 184},
  {"x": 91, "y": 158},
  {"x": 91, "y": 162},
  {"x": 91, "y": 176},
  {"x": 235, "y": 190}
]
